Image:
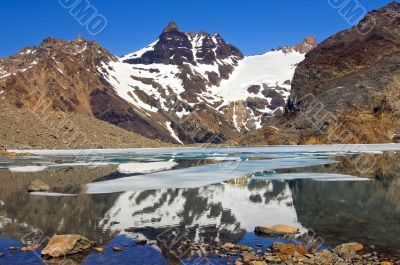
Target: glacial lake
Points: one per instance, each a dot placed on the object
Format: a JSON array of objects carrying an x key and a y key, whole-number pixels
[{"x": 338, "y": 193}]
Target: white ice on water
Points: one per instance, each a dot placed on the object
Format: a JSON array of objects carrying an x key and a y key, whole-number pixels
[
  {"x": 135, "y": 167},
  {"x": 27, "y": 169},
  {"x": 334, "y": 149},
  {"x": 312, "y": 176},
  {"x": 195, "y": 177}
]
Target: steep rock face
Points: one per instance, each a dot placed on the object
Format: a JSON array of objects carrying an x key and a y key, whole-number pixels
[
  {"x": 62, "y": 76},
  {"x": 106, "y": 106},
  {"x": 63, "y": 73},
  {"x": 348, "y": 88}
]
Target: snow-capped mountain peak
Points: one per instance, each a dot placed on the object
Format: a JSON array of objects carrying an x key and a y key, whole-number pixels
[
  {"x": 198, "y": 86},
  {"x": 176, "y": 47}
]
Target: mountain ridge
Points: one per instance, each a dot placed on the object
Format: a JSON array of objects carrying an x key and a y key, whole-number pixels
[
  {"x": 195, "y": 88},
  {"x": 170, "y": 90}
]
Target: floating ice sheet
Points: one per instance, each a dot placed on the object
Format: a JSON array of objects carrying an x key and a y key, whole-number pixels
[
  {"x": 334, "y": 149},
  {"x": 27, "y": 169},
  {"x": 198, "y": 176},
  {"x": 312, "y": 176},
  {"x": 134, "y": 167}
]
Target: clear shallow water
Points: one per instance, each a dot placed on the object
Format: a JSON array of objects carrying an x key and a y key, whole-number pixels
[{"x": 214, "y": 194}]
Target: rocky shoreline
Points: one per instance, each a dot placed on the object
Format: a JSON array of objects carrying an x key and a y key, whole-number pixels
[
  {"x": 75, "y": 248},
  {"x": 280, "y": 253}
]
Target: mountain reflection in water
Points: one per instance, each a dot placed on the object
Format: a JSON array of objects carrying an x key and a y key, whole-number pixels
[{"x": 338, "y": 211}]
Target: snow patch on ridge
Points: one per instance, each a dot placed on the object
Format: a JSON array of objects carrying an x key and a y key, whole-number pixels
[
  {"x": 139, "y": 53},
  {"x": 272, "y": 68},
  {"x": 172, "y": 132}
]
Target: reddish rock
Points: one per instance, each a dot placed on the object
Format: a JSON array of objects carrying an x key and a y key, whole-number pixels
[
  {"x": 65, "y": 245},
  {"x": 286, "y": 250},
  {"x": 277, "y": 230}
]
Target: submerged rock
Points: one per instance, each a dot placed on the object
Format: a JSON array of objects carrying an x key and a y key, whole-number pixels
[
  {"x": 117, "y": 249},
  {"x": 37, "y": 186},
  {"x": 99, "y": 250},
  {"x": 65, "y": 245},
  {"x": 140, "y": 242},
  {"x": 277, "y": 230},
  {"x": 12, "y": 249},
  {"x": 229, "y": 246},
  {"x": 152, "y": 242},
  {"x": 30, "y": 247}
]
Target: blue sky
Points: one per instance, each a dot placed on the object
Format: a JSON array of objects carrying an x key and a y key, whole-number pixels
[{"x": 254, "y": 26}]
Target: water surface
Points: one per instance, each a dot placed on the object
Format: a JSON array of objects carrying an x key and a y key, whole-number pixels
[{"x": 114, "y": 197}]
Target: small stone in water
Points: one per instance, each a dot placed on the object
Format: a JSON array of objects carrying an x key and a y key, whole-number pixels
[
  {"x": 30, "y": 247},
  {"x": 12, "y": 249},
  {"x": 140, "y": 242},
  {"x": 117, "y": 249},
  {"x": 152, "y": 242},
  {"x": 99, "y": 250},
  {"x": 1, "y": 254}
]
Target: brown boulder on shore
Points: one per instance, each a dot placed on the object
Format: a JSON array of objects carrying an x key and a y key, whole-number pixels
[
  {"x": 349, "y": 248},
  {"x": 288, "y": 249},
  {"x": 37, "y": 186},
  {"x": 66, "y": 245},
  {"x": 277, "y": 230}
]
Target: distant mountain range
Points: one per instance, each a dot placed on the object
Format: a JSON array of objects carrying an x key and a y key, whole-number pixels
[{"x": 196, "y": 88}]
